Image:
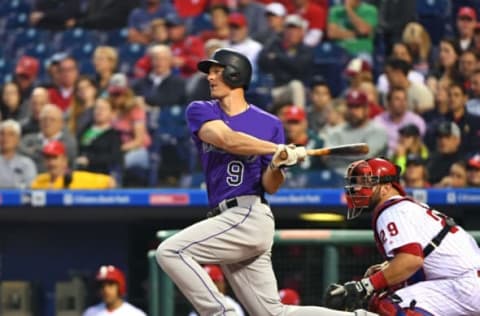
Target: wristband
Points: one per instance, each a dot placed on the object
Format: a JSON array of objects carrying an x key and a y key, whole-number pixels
[{"x": 378, "y": 280}]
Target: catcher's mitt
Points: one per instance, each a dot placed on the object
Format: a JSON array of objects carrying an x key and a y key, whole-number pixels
[{"x": 335, "y": 297}]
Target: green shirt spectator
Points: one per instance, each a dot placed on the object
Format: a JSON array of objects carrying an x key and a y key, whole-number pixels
[{"x": 352, "y": 25}]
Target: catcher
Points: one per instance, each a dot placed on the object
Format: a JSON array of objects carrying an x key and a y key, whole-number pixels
[{"x": 433, "y": 265}]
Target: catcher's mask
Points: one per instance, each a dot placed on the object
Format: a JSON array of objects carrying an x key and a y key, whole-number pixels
[{"x": 361, "y": 178}]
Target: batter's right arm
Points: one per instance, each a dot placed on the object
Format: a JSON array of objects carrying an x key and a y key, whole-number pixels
[{"x": 220, "y": 135}]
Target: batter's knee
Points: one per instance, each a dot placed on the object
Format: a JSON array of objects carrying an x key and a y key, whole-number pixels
[{"x": 163, "y": 253}]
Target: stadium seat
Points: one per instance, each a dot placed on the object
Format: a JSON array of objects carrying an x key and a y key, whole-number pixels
[
  {"x": 27, "y": 38},
  {"x": 83, "y": 51},
  {"x": 86, "y": 67},
  {"x": 16, "y": 20},
  {"x": 200, "y": 23},
  {"x": 73, "y": 38},
  {"x": 116, "y": 37},
  {"x": 433, "y": 15},
  {"x": 128, "y": 54},
  {"x": 6, "y": 70},
  {"x": 330, "y": 61},
  {"x": 40, "y": 51},
  {"x": 14, "y": 6}
]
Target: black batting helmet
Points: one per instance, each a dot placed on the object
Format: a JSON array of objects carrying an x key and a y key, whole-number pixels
[{"x": 238, "y": 70}]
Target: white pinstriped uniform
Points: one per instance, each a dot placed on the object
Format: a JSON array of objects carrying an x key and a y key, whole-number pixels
[{"x": 452, "y": 283}]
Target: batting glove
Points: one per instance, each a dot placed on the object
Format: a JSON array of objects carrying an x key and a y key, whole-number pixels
[
  {"x": 290, "y": 159},
  {"x": 357, "y": 293},
  {"x": 301, "y": 152}
]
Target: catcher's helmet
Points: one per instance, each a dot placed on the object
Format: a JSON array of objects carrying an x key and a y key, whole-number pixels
[
  {"x": 362, "y": 176},
  {"x": 113, "y": 274},
  {"x": 238, "y": 69}
]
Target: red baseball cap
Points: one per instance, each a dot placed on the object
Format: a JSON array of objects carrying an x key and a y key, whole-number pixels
[
  {"x": 28, "y": 66},
  {"x": 237, "y": 19},
  {"x": 356, "y": 66},
  {"x": 474, "y": 162},
  {"x": 214, "y": 272},
  {"x": 295, "y": 113},
  {"x": 289, "y": 297},
  {"x": 54, "y": 148},
  {"x": 467, "y": 12},
  {"x": 356, "y": 98}
]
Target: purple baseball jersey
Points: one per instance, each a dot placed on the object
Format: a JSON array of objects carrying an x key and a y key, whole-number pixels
[{"x": 228, "y": 175}]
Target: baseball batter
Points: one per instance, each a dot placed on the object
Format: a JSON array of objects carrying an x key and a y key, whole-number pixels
[
  {"x": 236, "y": 141},
  {"x": 437, "y": 259}
]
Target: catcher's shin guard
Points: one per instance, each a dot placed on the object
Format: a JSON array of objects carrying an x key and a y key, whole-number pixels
[{"x": 389, "y": 306}]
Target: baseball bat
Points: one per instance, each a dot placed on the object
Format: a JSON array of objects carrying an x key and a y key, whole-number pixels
[{"x": 342, "y": 150}]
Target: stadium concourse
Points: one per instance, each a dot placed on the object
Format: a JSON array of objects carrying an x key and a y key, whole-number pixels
[{"x": 94, "y": 93}]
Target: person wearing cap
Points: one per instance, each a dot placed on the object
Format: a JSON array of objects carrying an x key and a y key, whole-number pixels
[
  {"x": 26, "y": 74},
  {"x": 358, "y": 70},
  {"x": 352, "y": 26},
  {"x": 396, "y": 116},
  {"x": 357, "y": 128},
  {"x": 289, "y": 296},
  {"x": 473, "y": 104},
  {"x": 466, "y": 22},
  {"x": 316, "y": 16},
  {"x": 409, "y": 143},
  {"x": 473, "y": 171},
  {"x": 219, "y": 13},
  {"x": 112, "y": 286},
  {"x": 11, "y": 102},
  {"x": 298, "y": 133},
  {"x": 240, "y": 40},
  {"x": 140, "y": 18},
  {"x": 415, "y": 172},
  {"x": 447, "y": 151},
  {"x": 419, "y": 97},
  {"x": 62, "y": 94},
  {"x": 254, "y": 12},
  {"x": 187, "y": 50},
  {"x": 216, "y": 274},
  {"x": 59, "y": 176},
  {"x": 469, "y": 124},
  {"x": 289, "y": 61},
  {"x": 275, "y": 13},
  {"x": 38, "y": 99},
  {"x": 52, "y": 66},
  {"x": 16, "y": 170},
  {"x": 52, "y": 127}
]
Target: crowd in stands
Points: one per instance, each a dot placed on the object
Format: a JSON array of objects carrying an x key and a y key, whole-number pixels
[{"x": 94, "y": 92}]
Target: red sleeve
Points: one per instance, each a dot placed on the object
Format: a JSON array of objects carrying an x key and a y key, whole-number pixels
[
  {"x": 193, "y": 52},
  {"x": 413, "y": 249},
  {"x": 316, "y": 17}
]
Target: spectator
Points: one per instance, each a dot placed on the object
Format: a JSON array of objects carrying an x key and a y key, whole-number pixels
[
  {"x": 289, "y": 61},
  {"x": 397, "y": 116},
  {"x": 473, "y": 105},
  {"x": 112, "y": 289},
  {"x": 275, "y": 13},
  {"x": 158, "y": 32},
  {"x": 16, "y": 171},
  {"x": 129, "y": 118},
  {"x": 38, "y": 100},
  {"x": 336, "y": 117},
  {"x": 357, "y": 71},
  {"x": 26, "y": 74},
  {"x": 392, "y": 18},
  {"x": 54, "y": 14},
  {"x": 53, "y": 69},
  {"x": 409, "y": 143},
  {"x": 59, "y": 176},
  {"x": 469, "y": 124},
  {"x": 400, "y": 51},
  {"x": 438, "y": 114},
  {"x": 476, "y": 38},
  {"x": 187, "y": 50},
  {"x": 254, "y": 12},
  {"x": 416, "y": 173},
  {"x": 161, "y": 88},
  {"x": 420, "y": 98},
  {"x": 99, "y": 145},
  {"x": 352, "y": 25},
  {"x": 419, "y": 42},
  {"x": 289, "y": 296},
  {"x": 466, "y": 22},
  {"x": 456, "y": 178},
  {"x": 219, "y": 13},
  {"x": 447, "y": 63},
  {"x": 62, "y": 94},
  {"x": 473, "y": 171},
  {"x": 447, "y": 151},
  {"x": 467, "y": 66},
  {"x": 105, "y": 61},
  {"x": 102, "y": 14},
  {"x": 216, "y": 274},
  {"x": 11, "y": 105},
  {"x": 320, "y": 105},
  {"x": 80, "y": 112},
  {"x": 140, "y": 18},
  {"x": 358, "y": 128},
  {"x": 51, "y": 128},
  {"x": 371, "y": 92},
  {"x": 316, "y": 16},
  {"x": 240, "y": 40}
]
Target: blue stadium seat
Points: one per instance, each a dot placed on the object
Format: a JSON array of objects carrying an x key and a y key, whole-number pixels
[
  {"x": 73, "y": 38},
  {"x": 116, "y": 37},
  {"x": 200, "y": 23},
  {"x": 27, "y": 38},
  {"x": 128, "y": 54},
  {"x": 83, "y": 51},
  {"x": 433, "y": 15},
  {"x": 16, "y": 20},
  {"x": 14, "y": 6},
  {"x": 330, "y": 61},
  {"x": 6, "y": 66},
  {"x": 86, "y": 67},
  {"x": 41, "y": 51}
]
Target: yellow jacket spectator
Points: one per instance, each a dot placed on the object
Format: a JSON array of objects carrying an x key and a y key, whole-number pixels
[{"x": 59, "y": 177}]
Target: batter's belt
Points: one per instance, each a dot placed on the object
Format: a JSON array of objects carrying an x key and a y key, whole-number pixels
[{"x": 233, "y": 202}]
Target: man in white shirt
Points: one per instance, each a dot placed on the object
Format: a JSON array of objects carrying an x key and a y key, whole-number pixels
[{"x": 113, "y": 288}]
